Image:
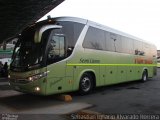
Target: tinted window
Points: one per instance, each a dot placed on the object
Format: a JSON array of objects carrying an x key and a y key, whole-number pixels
[
  {"x": 153, "y": 51},
  {"x": 138, "y": 47},
  {"x": 146, "y": 49},
  {"x": 72, "y": 31},
  {"x": 94, "y": 39},
  {"x": 28, "y": 54},
  {"x": 62, "y": 41},
  {"x": 103, "y": 40},
  {"x": 127, "y": 45},
  {"x": 56, "y": 47},
  {"x": 118, "y": 42},
  {"x": 110, "y": 43}
]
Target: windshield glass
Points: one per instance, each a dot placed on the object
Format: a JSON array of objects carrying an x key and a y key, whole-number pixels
[
  {"x": 56, "y": 48},
  {"x": 28, "y": 54},
  {"x": 55, "y": 44}
]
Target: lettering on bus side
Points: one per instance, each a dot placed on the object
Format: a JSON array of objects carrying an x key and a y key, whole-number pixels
[
  {"x": 89, "y": 60},
  {"x": 143, "y": 61}
]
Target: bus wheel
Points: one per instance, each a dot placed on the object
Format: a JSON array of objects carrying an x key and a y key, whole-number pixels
[
  {"x": 144, "y": 76},
  {"x": 86, "y": 84}
]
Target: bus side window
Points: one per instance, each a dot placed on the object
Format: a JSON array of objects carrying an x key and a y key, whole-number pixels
[
  {"x": 56, "y": 49},
  {"x": 94, "y": 39}
]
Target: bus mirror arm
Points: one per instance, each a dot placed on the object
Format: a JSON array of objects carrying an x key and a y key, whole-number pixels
[{"x": 39, "y": 32}]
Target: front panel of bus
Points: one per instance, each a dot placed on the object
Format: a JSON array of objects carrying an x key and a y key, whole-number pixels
[{"x": 39, "y": 58}]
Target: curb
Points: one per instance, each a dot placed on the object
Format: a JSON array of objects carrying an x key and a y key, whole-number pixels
[{"x": 66, "y": 98}]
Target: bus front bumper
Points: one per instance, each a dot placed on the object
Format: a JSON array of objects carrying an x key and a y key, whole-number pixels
[{"x": 34, "y": 87}]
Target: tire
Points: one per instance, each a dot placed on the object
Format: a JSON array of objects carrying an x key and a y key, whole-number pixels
[
  {"x": 86, "y": 84},
  {"x": 144, "y": 76}
]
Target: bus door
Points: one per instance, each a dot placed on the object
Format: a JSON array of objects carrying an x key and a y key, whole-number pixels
[{"x": 55, "y": 64}]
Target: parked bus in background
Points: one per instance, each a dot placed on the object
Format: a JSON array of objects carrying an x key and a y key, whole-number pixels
[
  {"x": 6, "y": 51},
  {"x": 68, "y": 54}
]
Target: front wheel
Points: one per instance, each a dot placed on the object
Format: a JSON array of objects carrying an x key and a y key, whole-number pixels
[
  {"x": 86, "y": 84},
  {"x": 144, "y": 76}
]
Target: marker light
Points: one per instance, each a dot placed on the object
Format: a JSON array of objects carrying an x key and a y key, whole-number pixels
[
  {"x": 9, "y": 76},
  {"x": 37, "y": 89},
  {"x": 30, "y": 78}
]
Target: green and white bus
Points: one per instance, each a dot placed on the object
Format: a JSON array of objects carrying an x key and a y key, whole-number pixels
[{"x": 68, "y": 54}]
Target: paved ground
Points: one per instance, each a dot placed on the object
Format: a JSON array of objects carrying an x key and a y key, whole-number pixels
[{"x": 128, "y": 98}]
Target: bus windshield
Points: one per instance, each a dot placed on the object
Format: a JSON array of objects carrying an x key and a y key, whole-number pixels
[
  {"x": 53, "y": 44},
  {"x": 28, "y": 54}
]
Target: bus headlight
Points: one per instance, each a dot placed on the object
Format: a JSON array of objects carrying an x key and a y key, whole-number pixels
[
  {"x": 38, "y": 76},
  {"x": 37, "y": 89}
]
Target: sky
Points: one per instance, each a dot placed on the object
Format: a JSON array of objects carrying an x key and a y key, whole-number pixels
[{"x": 140, "y": 18}]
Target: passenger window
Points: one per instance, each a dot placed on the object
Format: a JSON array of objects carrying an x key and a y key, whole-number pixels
[
  {"x": 138, "y": 47},
  {"x": 94, "y": 39},
  {"x": 117, "y": 42},
  {"x": 72, "y": 30},
  {"x": 58, "y": 45},
  {"x": 127, "y": 45},
  {"x": 110, "y": 41},
  {"x": 56, "y": 49}
]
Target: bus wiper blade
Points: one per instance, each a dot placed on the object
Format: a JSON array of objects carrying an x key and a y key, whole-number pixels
[{"x": 34, "y": 66}]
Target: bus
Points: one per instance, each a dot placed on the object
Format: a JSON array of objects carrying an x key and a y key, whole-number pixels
[
  {"x": 6, "y": 51},
  {"x": 5, "y": 56},
  {"x": 67, "y": 54}
]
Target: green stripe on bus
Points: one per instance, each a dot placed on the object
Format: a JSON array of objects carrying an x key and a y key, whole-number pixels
[{"x": 70, "y": 64}]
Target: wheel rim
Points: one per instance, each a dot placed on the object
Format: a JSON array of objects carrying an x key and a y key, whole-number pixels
[
  {"x": 86, "y": 84},
  {"x": 144, "y": 77}
]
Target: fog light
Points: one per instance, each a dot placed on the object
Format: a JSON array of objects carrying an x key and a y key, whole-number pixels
[
  {"x": 30, "y": 78},
  {"x": 37, "y": 89}
]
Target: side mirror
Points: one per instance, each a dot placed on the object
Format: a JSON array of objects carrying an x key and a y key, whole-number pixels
[{"x": 39, "y": 32}]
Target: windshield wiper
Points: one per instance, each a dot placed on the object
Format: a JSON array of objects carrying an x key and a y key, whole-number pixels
[{"x": 34, "y": 66}]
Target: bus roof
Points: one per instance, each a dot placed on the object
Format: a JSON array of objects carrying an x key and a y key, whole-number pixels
[{"x": 94, "y": 24}]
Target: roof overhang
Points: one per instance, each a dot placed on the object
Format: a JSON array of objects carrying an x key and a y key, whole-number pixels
[{"x": 17, "y": 14}]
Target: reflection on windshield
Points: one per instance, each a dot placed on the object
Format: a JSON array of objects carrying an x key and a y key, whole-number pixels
[
  {"x": 56, "y": 48},
  {"x": 56, "y": 44},
  {"x": 28, "y": 54}
]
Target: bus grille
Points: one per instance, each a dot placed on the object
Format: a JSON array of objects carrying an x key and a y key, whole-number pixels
[{"x": 21, "y": 81}]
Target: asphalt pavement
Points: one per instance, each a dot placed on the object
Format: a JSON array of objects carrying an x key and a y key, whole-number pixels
[{"x": 134, "y": 98}]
